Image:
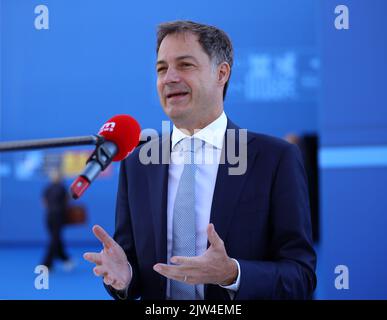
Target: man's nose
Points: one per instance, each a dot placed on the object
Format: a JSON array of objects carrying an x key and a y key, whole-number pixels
[{"x": 172, "y": 75}]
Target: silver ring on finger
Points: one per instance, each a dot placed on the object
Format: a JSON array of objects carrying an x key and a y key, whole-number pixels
[{"x": 185, "y": 279}]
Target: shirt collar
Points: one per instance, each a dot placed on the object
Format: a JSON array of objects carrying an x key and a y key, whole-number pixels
[{"x": 212, "y": 134}]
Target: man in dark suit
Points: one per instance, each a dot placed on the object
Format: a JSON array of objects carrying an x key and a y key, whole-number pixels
[{"x": 188, "y": 229}]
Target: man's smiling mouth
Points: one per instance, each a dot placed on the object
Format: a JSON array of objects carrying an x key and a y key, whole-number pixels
[{"x": 176, "y": 94}]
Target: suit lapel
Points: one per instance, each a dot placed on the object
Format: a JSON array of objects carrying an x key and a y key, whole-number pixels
[
  {"x": 227, "y": 191},
  {"x": 158, "y": 190},
  {"x": 228, "y": 187}
]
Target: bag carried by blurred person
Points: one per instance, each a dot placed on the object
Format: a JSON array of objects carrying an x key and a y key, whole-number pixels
[{"x": 75, "y": 214}]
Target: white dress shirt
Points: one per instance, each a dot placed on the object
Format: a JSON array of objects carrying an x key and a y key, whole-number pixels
[{"x": 207, "y": 159}]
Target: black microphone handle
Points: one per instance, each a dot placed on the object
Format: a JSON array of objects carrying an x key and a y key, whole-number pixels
[
  {"x": 50, "y": 143},
  {"x": 99, "y": 160}
]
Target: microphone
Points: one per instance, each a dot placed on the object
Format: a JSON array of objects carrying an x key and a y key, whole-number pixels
[{"x": 120, "y": 135}]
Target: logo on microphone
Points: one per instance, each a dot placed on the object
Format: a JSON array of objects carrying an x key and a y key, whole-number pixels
[{"x": 107, "y": 127}]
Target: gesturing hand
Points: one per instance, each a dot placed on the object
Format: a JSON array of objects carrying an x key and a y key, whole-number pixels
[
  {"x": 214, "y": 266},
  {"x": 111, "y": 262}
]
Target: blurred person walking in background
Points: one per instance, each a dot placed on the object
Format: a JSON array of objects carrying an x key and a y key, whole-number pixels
[{"x": 55, "y": 200}]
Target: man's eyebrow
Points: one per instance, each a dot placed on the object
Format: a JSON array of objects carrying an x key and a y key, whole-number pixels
[
  {"x": 186, "y": 57},
  {"x": 178, "y": 59}
]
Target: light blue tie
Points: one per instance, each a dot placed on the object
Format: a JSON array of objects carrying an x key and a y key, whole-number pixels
[{"x": 184, "y": 220}]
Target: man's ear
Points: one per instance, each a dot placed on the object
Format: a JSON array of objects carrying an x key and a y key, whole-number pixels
[{"x": 223, "y": 73}]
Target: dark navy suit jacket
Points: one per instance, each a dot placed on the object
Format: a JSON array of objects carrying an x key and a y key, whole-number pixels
[{"x": 263, "y": 217}]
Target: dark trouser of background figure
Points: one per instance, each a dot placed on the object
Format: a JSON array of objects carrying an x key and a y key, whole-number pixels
[{"x": 56, "y": 247}]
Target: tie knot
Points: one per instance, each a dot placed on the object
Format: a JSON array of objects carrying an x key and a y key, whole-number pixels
[{"x": 191, "y": 144}]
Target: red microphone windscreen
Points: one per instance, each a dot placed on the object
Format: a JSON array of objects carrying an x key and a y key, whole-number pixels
[{"x": 124, "y": 131}]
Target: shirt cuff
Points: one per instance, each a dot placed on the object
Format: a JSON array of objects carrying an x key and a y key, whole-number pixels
[
  {"x": 235, "y": 286},
  {"x": 123, "y": 294}
]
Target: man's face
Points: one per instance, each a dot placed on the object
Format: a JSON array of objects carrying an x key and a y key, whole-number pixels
[{"x": 186, "y": 80}]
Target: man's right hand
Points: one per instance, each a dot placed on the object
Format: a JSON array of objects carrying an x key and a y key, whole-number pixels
[{"x": 111, "y": 262}]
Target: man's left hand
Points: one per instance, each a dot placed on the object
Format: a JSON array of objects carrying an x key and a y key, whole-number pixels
[{"x": 214, "y": 266}]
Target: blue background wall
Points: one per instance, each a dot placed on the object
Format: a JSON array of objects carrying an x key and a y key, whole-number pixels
[
  {"x": 353, "y": 154},
  {"x": 98, "y": 59},
  {"x": 294, "y": 72}
]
